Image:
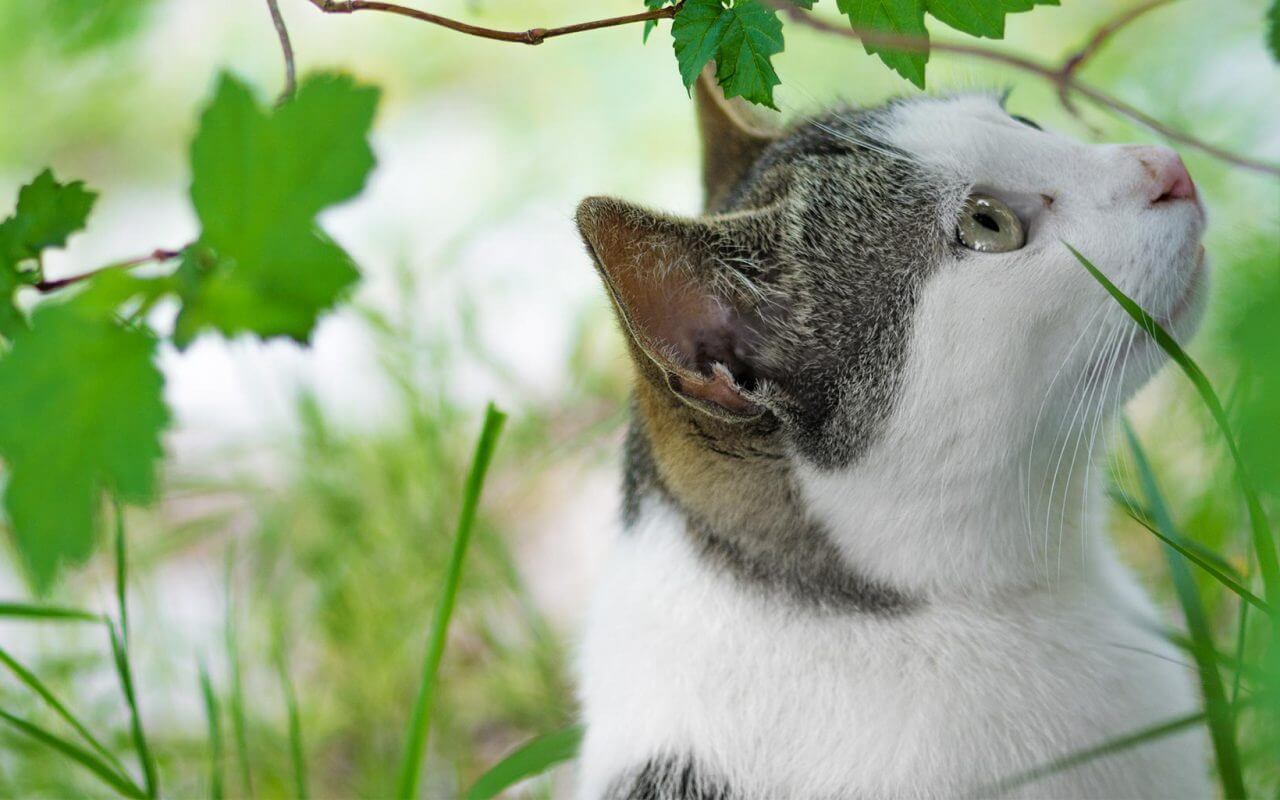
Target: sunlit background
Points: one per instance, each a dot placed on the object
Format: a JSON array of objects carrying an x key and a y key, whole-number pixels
[{"x": 310, "y": 493}]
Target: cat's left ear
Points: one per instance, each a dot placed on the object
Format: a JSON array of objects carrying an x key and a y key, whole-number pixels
[{"x": 686, "y": 296}]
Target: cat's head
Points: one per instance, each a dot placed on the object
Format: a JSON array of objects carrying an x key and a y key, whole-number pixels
[{"x": 904, "y": 266}]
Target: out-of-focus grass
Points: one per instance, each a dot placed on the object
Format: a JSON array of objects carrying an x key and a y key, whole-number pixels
[{"x": 340, "y": 552}]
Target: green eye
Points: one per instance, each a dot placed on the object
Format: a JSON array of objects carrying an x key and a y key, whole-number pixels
[{"x": 989, "y": 226}]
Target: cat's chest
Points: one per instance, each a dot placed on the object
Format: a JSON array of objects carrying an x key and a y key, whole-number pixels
[{"x": 679, "y": 660}]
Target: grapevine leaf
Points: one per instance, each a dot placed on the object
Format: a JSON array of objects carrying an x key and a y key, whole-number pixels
[
  {"x": 87, "y": 411},
  {"x": 904, "y": 17},
  {"x": 1273, "y": 29},
  {"x": 742, "y": 38},
  {"x": 696, "y": 33},
  {"x": 260, "y": 177},
  {"x": 980, "y": 17},
  {"x": 47, "y": 213},
  {"x": 752, "y": 36},
  {"x": 652, "y": 5}
]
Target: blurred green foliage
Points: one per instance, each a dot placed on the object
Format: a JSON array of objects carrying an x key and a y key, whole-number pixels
[{"x": 338, "y": 554}]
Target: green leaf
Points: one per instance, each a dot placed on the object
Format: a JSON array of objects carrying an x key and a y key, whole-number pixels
[
  {"x": 1220, "y": 715},
  {"x": 742, "y": 38},
  {"x": 34, "y": 611},
  {"x": 214, "y": 727},
  {"x": 74, "y": 753},
  {"x": 530, "y": 759},
  {"x": 1273, "y": 29},
  {"x": 652, "y": 5},
  {"x": 1194, "y": 552},
  {"x": 259, "y": 178},
  {"x": 696, "y": 33},
  {"x": 903, "y": 17},
  {"x": 32, "y": 682},
  {"x": 980, "y": 17},
  {"x": 1264, "y": 542},
  {"x": 752, "y": 36},
  {"x": 420, "y": 721},
  {"x": 86, "y": 410},
  {"x": 1119, "y": 744},
  {"x": 47, "y": 213}
]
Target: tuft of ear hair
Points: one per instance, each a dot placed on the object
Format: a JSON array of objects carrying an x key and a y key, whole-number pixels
[
  {"x": 674, "y": 291},
  {"x": 731, "y": 138}
]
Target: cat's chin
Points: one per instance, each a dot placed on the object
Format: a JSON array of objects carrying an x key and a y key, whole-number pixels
[{"x": 1144, "y": 354}]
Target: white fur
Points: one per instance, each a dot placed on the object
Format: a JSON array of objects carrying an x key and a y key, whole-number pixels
[{"x": 981, "y": 497}]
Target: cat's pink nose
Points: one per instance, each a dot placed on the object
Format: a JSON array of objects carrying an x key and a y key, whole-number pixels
[{"x": 1169, "y": 177}]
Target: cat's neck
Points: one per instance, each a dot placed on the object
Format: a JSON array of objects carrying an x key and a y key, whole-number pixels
[
  {"x": 733, "y": 489},
  {"x": 946, "y": 508},
  {"x": 929, "y": 512}
]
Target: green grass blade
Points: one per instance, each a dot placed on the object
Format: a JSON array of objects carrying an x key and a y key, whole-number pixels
[
  {"x": 1143, "y": 517},
  {"x": 74, "y": 752},
  {"x": 1221, "y": 716},
  {"x": 419, "y": 723},
  {"x": 1193, "y": 554},
  {"x": 36, "y": 685},
  {"x": 122, "y": 573},
  {"x": 532, "y": 758},
  {"x": 297, "y": 752},
  {"x": 120, "y": 656},
  {"x": 17, "y": 610},
  {"x": 1116, "y": 745},
  {"x": 239, "y": 726},
  {"x": 213, "y": 719},
  {"x": 1263, "y": 540}
]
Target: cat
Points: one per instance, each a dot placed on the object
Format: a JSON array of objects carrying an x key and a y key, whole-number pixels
[{"x": 863, "y": 554}]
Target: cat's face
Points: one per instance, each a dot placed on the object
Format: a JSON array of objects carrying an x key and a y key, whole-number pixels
[
  {"x": 906, "y": 268},
  {"x": 1025, "y": 340}
]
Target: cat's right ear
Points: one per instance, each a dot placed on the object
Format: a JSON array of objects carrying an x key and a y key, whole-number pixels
[
  {"x": 732, "y": 139},
  {"x": 683, "y": 290}
]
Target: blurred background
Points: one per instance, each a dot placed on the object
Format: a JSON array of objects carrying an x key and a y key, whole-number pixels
[{"x": 311, "y": 493}]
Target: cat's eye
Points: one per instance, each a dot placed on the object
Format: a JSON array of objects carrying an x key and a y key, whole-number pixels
[
  {"x": 1028, "y": 122},
  {"x": 989, "y": 226}
]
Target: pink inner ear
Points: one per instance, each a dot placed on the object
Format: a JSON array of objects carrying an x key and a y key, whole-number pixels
[
  {"x": 670, "y": 312},
  {"x": 651, "y": 268}
]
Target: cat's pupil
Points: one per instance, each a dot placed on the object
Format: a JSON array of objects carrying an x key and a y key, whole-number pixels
[{"x": 987, "y": 222}]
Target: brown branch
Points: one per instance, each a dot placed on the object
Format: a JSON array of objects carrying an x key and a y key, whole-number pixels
[
  {"x": 532, "y": 36},
  {"x": 290, "y": 74},
  {"x": 1062, "y": 77},
  {"x": 1096, "y": 42},
  {"x": 155, "y": 255}
]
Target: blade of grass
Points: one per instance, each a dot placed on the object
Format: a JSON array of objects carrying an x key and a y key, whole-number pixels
[
  {"x": 74, "y": 752},
  {"x": 124, "y": 666},
  {"x": 1192, "y": 553},
  {"x": 419, "y": 723},
  {"x": 122, "y": 575},
  {"x": 1221, "y": 716},
  {"x": 1242, "y": 633},
  {"x": 215, "y": 733},
  {"x": 120, "y": 656},
  {"x": 36, "y": 685},
  {"x": 297, "y": 753},
  {"x": 1142, "y": 516},
  {"x": 1263, "y": 540},
  {"x": 18, "y": 610},
  {"x": 1116, "y": 745},
  {"x": 530, "y": 759},
  {"x": 239, "y": 728}
]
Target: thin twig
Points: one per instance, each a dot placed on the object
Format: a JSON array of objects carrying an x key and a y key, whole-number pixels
[
  {"x": 533, "y": 36},
  {"x": 155, "y": 255},
  {"x": 290, "y": 74},
  {"x": 1060, "y": 77},
  {"x": 1096, "y": 42}
]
